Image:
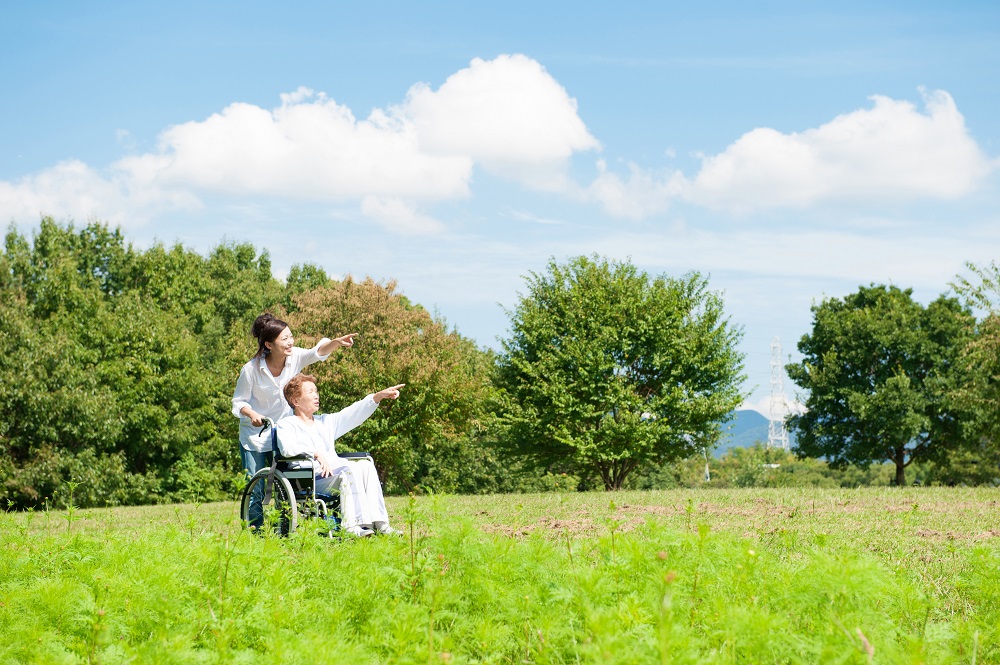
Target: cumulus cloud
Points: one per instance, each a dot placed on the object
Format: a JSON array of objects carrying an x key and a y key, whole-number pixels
[
  {"x": 308, "y": 148},
  {"x": 68, "y": 189},
  {"x": 397, "y": 215},
  {"x": 507, "y": 114},
  {"x": 890, "y": 152},
  {"x": 73, "y": 190},
  {"x": 510, "y": 117},
  {"x": 639, "y": 196}
]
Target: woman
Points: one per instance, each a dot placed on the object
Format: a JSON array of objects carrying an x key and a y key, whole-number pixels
[
  {"x": 258, "y": 393},
  {"x": 305, "y": 433}
]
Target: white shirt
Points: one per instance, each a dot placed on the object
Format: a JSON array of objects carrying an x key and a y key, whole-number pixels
[
  {"x": 296, "y": 437},
  {"x": 264, "y": 393}
]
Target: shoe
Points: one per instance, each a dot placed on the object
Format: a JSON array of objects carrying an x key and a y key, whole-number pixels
[
  {"x": 383, "y": 529},
  {"x": 359, "y": 531}
]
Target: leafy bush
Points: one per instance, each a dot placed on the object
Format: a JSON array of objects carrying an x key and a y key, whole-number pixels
[{"x": 99, "y": 480}]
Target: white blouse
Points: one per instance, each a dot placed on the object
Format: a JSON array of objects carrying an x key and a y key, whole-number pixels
[{"x": 263, "y": 392}]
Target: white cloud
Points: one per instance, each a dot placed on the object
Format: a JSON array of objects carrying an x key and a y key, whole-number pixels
[
  {"x": 308, "y": 148},
  {"x": 643, "y": 194},
  {"x": 890, "y": 152},
  {"x": 68, "y": 189},
  {"x": 73, "y": 190},
  {"x": 510, "y": 117},
  {"x": 397, "y": 215},
  {"x": 507, "y": 114}
]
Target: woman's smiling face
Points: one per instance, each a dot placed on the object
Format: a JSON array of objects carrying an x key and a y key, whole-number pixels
[{"x": 282, "y": 344}]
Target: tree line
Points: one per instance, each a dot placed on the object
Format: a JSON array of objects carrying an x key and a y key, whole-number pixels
[{"x": 117, "y": 366}]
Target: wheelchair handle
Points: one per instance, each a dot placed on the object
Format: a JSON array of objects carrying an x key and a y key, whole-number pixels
[{"x": 267, "y": 423}]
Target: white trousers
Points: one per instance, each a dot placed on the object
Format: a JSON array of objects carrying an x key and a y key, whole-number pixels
[{"x": 361, "y": 499}]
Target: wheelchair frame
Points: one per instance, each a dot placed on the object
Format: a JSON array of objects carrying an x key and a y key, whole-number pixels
[{"x": 292, "y": 491}]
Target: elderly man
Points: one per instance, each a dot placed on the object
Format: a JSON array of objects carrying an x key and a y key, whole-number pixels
[{"x": 303, "y": 432}]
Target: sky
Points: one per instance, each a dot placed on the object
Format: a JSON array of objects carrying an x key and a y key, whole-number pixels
[{"x": 787, "y": 151}]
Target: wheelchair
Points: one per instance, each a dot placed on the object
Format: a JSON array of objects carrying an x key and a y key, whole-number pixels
[{"x": 286, "y": 493}]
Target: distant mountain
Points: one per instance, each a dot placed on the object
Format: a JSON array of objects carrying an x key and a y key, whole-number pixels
[{"x": 746, "y": 428}]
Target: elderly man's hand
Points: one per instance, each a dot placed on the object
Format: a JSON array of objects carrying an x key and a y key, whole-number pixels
[{"x": 323, "y": 464}]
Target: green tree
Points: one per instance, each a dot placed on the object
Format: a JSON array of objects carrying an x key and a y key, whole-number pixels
[
  {"x": 303, "y": 278},
  {"x": 979, "y": 395},
  {"x": 608, "y": 369},
  {"x": 880, "y": 370},
  {"x": 981, "y": 355},
  {"x": 116, "y": 366}
]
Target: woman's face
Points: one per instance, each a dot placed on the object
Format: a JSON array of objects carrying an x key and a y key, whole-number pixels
[
  {"x": 282, "y": 344},
  {"x": 308, "y": 400}
]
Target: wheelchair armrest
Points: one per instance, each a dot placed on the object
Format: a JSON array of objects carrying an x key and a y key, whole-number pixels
[
  {"x": 353, "y": 455},
  {"x": 296, "y": 458}
]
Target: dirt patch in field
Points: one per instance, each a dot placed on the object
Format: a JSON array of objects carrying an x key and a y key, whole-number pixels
[
  {"x": 761, "y": 516},
  {"x": 762, "y": 508},
  {"x": 579, "y": 524},
  {"x": 937, "y": 535},
  {"x": 942, "y": 507},
  {"x": 956, "y": 535},
  {"x": 627, "y": 518}
]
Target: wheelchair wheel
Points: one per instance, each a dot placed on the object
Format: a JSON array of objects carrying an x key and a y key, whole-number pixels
[{"x": 281, "y": 511}]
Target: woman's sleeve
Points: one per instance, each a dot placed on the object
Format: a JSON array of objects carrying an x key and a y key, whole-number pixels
[
  {"x": 306, "y": 357},
  {"x": 243, "y": 392}
]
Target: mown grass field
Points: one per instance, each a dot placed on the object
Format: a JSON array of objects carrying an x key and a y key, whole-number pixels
[{"x": 707, "y": 576}]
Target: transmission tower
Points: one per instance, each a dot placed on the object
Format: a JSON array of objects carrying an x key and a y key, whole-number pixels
[{"x": 777, "y": 436}]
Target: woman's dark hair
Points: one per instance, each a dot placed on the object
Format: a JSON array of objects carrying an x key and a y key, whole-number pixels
[{"x": 266, "y": 328}]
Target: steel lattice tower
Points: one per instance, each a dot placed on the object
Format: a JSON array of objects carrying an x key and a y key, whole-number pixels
[{"x": 777, "y": 435}]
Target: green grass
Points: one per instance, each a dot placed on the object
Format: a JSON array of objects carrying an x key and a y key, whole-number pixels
[{"x": 731, "y": 576}]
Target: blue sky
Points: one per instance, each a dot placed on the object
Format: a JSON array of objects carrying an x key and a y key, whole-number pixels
[{"x": 790, "y": 151}]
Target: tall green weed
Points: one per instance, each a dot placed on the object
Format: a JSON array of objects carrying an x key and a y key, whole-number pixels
[{"x": 734, "y": 577}]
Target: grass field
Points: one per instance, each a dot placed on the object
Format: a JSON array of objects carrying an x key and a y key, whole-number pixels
[{"x": 726, "y": 576}]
